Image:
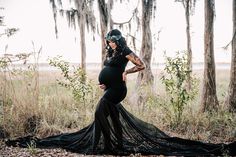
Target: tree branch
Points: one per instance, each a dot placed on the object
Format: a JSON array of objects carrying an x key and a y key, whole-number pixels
[
  {"x": 125, "y": 22},
  {"x": 227, "y": 46}
]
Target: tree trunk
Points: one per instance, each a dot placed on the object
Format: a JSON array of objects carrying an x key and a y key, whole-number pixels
[
  {"x": 105, "y": 22},
  {"x": 231, "y": 99},
  {"x": 109, "y": 19},
  {"x": 189, "y": 47},
  {"x": 82, "y": 42},
  {"x": 81, "y": 7},
  {"x": 103, "y": 42},
  {"x": 146, "y": 76},
  {"x": 209, "y": 98}
]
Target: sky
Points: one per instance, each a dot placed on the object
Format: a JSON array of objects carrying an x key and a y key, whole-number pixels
[{"x": 34, "y": 19}]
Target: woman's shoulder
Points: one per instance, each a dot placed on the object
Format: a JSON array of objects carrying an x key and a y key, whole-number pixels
[{"x": 127, "y": 51}]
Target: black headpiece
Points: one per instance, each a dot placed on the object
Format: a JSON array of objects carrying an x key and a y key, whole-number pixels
[{"x": 113, "y": 35}]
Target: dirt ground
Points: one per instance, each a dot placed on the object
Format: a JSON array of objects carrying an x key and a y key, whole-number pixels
[{"x": 33, "y": 152}]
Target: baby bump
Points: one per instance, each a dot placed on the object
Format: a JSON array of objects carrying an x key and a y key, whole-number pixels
[{"x": 110, "y": 76}]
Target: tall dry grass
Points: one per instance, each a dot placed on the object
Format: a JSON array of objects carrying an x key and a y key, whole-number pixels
[{"x": 33, "y": 103}]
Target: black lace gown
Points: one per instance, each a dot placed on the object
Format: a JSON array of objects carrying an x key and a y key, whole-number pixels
[{"x": 115, "y": 131}]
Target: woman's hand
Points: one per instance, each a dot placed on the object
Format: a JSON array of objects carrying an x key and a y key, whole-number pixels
[
  {"x": 124, "y": 76},
  {"x": 102, "y": 86}
]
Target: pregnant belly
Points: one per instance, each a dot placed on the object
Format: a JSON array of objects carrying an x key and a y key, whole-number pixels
[{"x": 110, "y": 76}]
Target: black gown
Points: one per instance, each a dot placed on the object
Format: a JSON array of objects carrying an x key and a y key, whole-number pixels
[{"x": 115, "y": 131}]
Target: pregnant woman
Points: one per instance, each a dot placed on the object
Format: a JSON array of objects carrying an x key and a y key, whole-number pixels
[
  {"x": 116, "y": 131},
  {"x": 112, "y": 79}
]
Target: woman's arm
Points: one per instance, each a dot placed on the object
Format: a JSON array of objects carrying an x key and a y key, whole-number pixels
[{"x": 139, "y": 65}]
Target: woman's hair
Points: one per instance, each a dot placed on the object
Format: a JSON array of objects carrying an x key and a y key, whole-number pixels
[{"x": 115, "y": 36}]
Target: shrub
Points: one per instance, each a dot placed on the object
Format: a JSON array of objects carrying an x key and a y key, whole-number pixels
[
  {"x": 175, "y": 82},
  {"x": 76, "y": 81}
]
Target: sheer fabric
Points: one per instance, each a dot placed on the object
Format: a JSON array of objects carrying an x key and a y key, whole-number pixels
[{"x": 115, "y": 131}]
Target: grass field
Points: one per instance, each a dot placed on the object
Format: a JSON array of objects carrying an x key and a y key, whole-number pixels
[{"x": 34, "y": 103}]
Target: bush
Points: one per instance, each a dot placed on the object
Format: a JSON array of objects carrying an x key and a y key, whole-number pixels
[
  {"x": 175, "y": 82},
  {"x": 76, "y": 81}
]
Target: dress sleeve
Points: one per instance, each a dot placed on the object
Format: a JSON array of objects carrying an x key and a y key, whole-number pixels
[{"x": 127, "y": 51}]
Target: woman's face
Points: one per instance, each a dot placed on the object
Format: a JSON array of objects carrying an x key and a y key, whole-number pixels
[{"x": 112, "y": 44}]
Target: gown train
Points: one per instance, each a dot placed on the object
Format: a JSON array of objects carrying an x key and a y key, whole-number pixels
[{"x": 116, "y": 131}]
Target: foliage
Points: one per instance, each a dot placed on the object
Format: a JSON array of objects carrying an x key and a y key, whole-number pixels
[
  {"x": 76, "y": 81},
  {"x": 8, "y": 31},
  {"x": 3, "y": 63},
  {"x": 8, "y": 59},
  {"x": 20, "y": 88},
  {"x": 176, "y": 86},
  {"x": 32, "y": 148}
]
